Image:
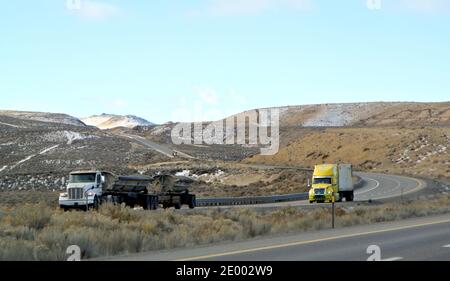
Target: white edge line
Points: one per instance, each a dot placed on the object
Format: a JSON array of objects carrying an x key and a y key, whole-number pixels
[
  {"x": 393, "y": 259},
  {"x": 365, "y": 191}
]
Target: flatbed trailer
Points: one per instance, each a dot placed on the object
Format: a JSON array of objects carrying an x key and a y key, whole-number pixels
[
  {"x": 150, "y": 201},
  {"x": 140, "y": 191}
]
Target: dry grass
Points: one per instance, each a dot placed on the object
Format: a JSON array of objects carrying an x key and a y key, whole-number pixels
[
  {"x": 38, "y": 232},
  {"x": 13, "y": 198}
]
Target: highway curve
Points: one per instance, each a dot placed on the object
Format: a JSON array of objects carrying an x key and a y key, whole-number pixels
[
  {"x": 375, "y": 187},
  {"x": 398, "y": 240},
  {"x": 381, "y": 186}
]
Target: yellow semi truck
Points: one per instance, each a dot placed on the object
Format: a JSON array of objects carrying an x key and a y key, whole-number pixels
[{"x": 331, "y": 180}]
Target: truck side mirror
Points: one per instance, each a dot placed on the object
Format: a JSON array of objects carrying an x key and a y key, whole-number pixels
[
  {"x": 103, "y": 179},
  {"x": 308, "y": 184}
]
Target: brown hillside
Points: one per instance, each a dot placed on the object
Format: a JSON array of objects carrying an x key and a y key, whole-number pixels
[{"x": 393, "y": 150}]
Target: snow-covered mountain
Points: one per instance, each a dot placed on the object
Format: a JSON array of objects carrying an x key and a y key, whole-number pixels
[
  {"x": 109, "y": 121},
  {"x": 58, "y": 118}
]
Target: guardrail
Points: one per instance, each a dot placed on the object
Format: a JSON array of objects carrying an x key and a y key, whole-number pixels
[{"x": 232, "y": 201}]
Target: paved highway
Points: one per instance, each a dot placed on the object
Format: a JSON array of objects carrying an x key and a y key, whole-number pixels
[
  {"x": 164, "y": 150},
  {"x": 381, "y": 186},
  {"x": 375, "y": 187},
  {"x": 417, "y": 239},
  {"x": 414, "y": 239}
]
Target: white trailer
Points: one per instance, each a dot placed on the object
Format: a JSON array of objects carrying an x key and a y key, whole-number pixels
[{"x": 346, "y": 188}]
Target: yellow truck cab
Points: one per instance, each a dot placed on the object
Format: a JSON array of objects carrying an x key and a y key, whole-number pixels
[{"x": 331, "y": 180}]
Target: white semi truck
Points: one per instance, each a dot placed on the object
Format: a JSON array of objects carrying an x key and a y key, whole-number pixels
[
  {"x": 85, "y": 189},
  {"x": 88, "y": 189}
]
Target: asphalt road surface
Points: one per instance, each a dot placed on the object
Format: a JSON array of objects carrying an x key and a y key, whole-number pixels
[
  {"x": 164, "y": 150},
  {"x": 414, "y": 239},
  {"x": 381, "y": 186},
  {"x": 376, "y": 187}
]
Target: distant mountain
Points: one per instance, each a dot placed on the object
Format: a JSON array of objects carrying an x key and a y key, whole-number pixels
[
  {"x": 41, "y": 117},
  {"x": 110, "y": 121}
]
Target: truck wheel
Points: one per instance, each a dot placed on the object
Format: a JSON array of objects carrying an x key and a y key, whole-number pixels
[
  {"x": 351, "y": 197},
  {"x": 96, "y": 204},
  {"x": 177, "y": 206},
  {"x": 192, "y": 202}
]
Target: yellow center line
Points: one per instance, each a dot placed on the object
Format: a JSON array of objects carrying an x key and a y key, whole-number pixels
[{"x": 299, "y": 243}]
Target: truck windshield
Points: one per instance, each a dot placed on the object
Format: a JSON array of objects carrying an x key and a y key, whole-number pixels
[
  {"x": 81, "y": 178},
  {"x": 322, "y": 180}
]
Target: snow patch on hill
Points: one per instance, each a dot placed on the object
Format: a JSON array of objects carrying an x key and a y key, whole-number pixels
[
  {"x": 42, "y": 117},
  {"x": 66, "y": 136},
  {"x": 110, "y": 121},
  {"x": 332, "y": 116}
]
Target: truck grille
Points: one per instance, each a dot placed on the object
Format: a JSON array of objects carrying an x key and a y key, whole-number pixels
[
  {"x": 76, "y": 193},
  {"x": 319, "y": 191}
]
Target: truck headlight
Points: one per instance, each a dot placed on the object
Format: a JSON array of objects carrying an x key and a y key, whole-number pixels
[
  {"x": 63, "y": 194},
  {"x": 90, "y": 194}
]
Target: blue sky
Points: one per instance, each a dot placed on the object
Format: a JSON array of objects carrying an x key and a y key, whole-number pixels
[{"x": 205, "y": 59}]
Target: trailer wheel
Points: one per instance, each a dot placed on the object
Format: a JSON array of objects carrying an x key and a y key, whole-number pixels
[
  {"x": 152, "y": 203},
  {"x": 177, "y": 206}
]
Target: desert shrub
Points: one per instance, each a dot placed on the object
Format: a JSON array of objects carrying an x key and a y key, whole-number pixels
[
  {"x": 121, "y": 212},
  {"x": 33, "y": 216},
  {"x": 17, "y": 250},
  {"x": 37, "y": 232},
  {"x": 23, "y": 233}
]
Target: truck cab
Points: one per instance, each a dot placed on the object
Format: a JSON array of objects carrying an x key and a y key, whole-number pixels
[
  {"x": 84, "y": 189},
  {"x": 332, "y": 182},
  {"x": 324, "y": 184}
]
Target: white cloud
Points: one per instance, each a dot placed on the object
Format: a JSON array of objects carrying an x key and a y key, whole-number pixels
[
  {"x": 92, "y": 10},
  {"x": 208, "y": 104},
  {"x": 208, "y": 95},
  {"x": 116, "y": 103},
  {"x": 231, "y": 7},
  {"x": 240, "y": 7},
  {"x": 426, "y": 6}
]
